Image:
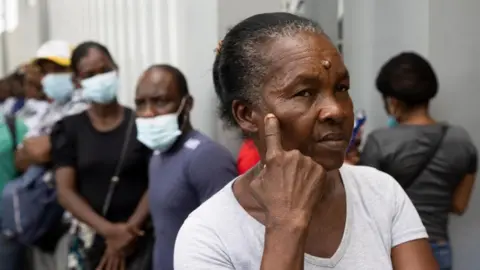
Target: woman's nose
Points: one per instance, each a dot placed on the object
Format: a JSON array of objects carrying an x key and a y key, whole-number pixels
[{"x": 331, "y": 110}]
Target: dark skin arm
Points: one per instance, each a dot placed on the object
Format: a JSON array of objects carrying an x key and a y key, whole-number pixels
[
  {"x": 22, "y": 162},
  {"x": 462, "y": 194},
  {"x": 119, "y": 236},
  {"x": 284, "y": 246},
  {"x": 141, "y": 213},
  {"x": 288, "y": 189},
  {"x": 35, "y": 150},
  {"x": 414, "y": 255},
  {"x": 75, "y": 204}
]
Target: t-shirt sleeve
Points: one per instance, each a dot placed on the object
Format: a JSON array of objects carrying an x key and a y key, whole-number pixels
[
  {"x": 21, "y": 130},
  {"x": 407, "y": 225},
  {"x": 63, "y": 146},
  {"x": 473, "y": 159},
  {"x": 211, "y": 167},
  {"x": 199, "y": 248}
]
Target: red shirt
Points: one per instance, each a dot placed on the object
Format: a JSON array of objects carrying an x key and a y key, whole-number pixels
[{"x": 247, "y": 157}]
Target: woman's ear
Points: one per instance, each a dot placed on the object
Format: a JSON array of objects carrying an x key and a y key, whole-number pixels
[
  {"x": 391, "y": 105},
  {"x": 188, "y": 104},
  {"x": 246, "y": 117}
]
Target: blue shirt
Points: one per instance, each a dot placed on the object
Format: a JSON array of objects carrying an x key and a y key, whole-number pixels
[{"x": 181, "y": 179}]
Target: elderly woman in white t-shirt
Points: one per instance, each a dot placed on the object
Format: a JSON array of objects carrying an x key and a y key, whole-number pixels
[{"x": 282, "y": 81}]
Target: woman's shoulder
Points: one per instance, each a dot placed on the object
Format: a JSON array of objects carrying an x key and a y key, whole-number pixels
[
  {"x": 370, "y": 185},
  {"x": 70, "y": 123},
  {"x": 367, "y": 176},
  {"x": 377, "y": 197},
  {"x": 216, "y": 208},
  {"x": 216, "y": 233}
]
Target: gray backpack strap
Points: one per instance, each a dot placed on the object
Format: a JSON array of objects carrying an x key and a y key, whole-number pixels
[
  {"x": 428, "y": 158},
  {"x": 12, "y": 127}
]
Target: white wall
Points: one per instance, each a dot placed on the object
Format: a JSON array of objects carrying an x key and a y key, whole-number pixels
[
  {"x": 138, "y": 33},
  {"x": 325, "y": 13},
  {"x": 24, "y": 40},
  {"x": 374, "y": 31},
  {"x": 447, "y": 33},
  {"x": 454, "y": 50}
]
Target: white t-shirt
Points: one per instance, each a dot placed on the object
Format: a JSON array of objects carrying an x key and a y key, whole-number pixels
[{"x": 220, "y": 234}]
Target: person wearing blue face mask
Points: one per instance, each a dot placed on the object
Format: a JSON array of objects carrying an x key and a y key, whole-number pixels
[
  {"x": 434, "y": 162},
  {"x": 58, "y": 87},
  {"x": 102, "y": 170},
  {"x": 184, "y": 159}
]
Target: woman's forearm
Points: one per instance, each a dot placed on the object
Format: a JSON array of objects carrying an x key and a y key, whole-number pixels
[
  {"x": 284, "y": 248},
  {"x": 22, "y": 162},
  {"x": 80, "y": 209},
  {"x": 141, "y": 212}
]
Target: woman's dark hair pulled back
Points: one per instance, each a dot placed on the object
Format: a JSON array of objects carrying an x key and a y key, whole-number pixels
[
  {"x": 409, "y": 78},
  {"x": 240, "y": 64},
  {"x": 82, "y": 50}
]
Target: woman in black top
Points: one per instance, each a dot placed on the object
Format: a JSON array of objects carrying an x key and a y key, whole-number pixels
[
  {"x": 87, "y": 150},
  {"x": 434, "y": 162}
]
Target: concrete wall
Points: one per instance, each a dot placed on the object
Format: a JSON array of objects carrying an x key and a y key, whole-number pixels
[
  {"x": 24, "y": 40},
  {"x": 447, "y": 33},
  {"x": 325, "y": 13}
]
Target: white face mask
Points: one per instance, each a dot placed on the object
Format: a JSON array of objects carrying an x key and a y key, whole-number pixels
[
  {"x": 159, "y": 132},
  {"x": 101, "y": 88},
  {"x": 58, "y": 87}
]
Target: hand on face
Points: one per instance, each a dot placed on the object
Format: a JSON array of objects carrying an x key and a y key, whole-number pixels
[{"x": 290, "y": 184}]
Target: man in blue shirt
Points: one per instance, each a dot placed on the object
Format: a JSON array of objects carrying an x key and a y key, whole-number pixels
[{"x": 187, "y": 167}]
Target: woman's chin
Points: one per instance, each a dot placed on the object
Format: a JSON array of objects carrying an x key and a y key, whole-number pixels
[{"x": 332, "y": 162}]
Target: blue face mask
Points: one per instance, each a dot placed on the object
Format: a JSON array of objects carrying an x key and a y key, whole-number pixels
[
  {"x": 392, "y": 122},
  {"x": 58, "y": 87},
  {"x": 101, "y": 88},
  {"x": 159, "y": 132}
]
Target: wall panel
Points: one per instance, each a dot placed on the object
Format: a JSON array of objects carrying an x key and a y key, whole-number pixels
[{"x": 127, "y": 27}]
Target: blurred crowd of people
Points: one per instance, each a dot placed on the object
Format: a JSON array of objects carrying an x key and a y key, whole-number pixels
[{"x": 89, "y": 183}]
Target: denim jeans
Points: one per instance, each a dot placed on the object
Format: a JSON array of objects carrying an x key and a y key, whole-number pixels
[
  {"x": 13, "y": 255},
  {"x": 443, "y": 254}
]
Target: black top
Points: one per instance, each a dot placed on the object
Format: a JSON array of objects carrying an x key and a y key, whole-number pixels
[
  {"x": 94, "y": 155},
  {"x": 401, "y": 150}
]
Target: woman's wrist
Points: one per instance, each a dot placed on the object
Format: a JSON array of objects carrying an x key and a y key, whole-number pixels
[
  {"x": 104, "y": 228},
  {"x": 295, "y": 222}
]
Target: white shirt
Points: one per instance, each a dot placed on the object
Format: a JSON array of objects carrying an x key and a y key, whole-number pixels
[
  {"x": 55, "y": 112},
  {"x": 32, "y": 112},
  {"x": 220, "y": 234}
]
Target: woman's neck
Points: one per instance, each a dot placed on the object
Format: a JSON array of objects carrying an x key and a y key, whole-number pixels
[
  {"x": 419, "y": 116},
  {"x": 106, "y": 110}
]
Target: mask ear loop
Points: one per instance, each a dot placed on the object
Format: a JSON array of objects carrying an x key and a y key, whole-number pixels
[{"x": 179, "y": 111}]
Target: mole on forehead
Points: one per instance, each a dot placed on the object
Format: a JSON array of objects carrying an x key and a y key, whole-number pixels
[{"x": 326, "y": 64}]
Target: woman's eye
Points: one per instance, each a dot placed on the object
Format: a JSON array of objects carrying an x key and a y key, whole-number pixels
[
  {"x": 303, "y": 93},
  {"x": 343, "y": 88}
]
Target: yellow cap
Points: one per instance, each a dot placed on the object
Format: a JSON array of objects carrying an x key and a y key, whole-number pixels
[{"x": 57, "y": 51}]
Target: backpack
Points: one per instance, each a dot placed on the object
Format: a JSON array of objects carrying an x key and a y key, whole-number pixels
[{"x": 29, "y": 206}]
